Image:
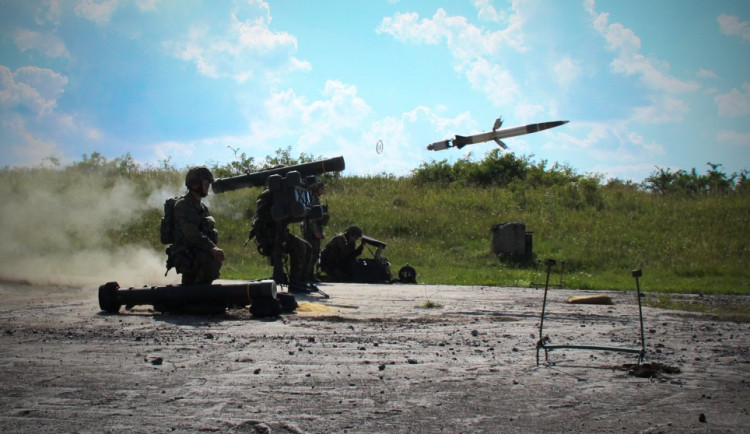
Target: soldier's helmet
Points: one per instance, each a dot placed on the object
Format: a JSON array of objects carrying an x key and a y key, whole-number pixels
[
  {"x": 197, "y": 175},
  {"x": 354, "y": 231}
]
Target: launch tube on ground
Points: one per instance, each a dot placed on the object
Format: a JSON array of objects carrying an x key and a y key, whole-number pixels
[{"x": 112, "y": 297}]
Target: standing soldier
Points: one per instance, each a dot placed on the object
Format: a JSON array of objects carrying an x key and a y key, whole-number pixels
[
  {"x": 312, "y": 230},
  {"x": 274, "y": 240},
  {"x": 194, "y": 252}
]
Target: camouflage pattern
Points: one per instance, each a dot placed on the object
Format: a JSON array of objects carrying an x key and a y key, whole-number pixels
[
  {"x": 312, "y": 231},
  {"x": 195, "y": 238},
  {"x": 338, "y": 256},
  {"x": 264, "y": 232}
]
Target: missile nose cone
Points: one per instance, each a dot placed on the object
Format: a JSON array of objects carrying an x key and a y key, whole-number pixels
[{"x": 553, "y": 124}]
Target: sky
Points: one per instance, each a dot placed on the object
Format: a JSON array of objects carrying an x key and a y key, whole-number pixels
[{"x": 645, "y": 84}]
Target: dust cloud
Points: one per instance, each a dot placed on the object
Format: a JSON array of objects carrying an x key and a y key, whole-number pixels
[{"x": 58, "y": 234}]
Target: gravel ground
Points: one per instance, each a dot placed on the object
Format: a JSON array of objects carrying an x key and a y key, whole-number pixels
[{"x": 371, "y": 358}]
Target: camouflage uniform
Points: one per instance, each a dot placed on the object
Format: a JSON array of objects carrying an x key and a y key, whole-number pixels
[
  {"x": 264, "y": 231},
  {"x": 195, "y": 237},
  {"x": 312, "y": 231},
  {"x": 339, "y": 254}
]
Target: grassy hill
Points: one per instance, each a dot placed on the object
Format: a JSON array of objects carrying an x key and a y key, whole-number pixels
[{"x": 687, "y": 232}]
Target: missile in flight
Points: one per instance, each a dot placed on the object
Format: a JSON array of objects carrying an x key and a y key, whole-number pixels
[{"x": 496, "y": 134}]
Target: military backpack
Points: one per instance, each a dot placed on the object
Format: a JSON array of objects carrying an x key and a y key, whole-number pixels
[{"x": 166, "y": 230}]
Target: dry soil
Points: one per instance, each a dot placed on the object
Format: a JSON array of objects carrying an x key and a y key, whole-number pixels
[{"x": 371, "y": 358}]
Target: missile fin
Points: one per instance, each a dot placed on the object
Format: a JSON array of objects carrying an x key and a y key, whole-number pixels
[
  {"x": 461, "y": 141},
  {"x": 501, "y": 144}
]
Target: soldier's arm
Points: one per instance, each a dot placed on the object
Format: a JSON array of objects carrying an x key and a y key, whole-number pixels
[{"x": 187, "y": 220}]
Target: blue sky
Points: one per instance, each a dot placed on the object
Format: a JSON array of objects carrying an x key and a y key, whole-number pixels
[{"x": 644, "y": 84}]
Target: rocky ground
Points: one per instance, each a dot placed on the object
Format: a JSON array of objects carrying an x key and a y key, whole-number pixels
[{"x": 384, "y": 358}]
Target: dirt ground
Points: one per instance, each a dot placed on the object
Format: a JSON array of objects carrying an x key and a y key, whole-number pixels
[{"x": 371, "y": 358}]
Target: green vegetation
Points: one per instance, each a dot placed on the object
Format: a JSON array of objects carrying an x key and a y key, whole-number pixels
[
  {"x": 687, "y": 232},
  {"x": 429, "y": 304},
  {"x": 722, "y": 310}
]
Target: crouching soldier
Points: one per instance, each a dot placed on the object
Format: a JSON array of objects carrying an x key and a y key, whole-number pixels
[
  {"x": 339, "y": 255},
  {"x": 194, "y": 253}
]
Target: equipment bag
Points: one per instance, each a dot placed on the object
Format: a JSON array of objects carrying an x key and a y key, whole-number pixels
[
  {"x": 371, "y": 271},
  {"x": 166, "y": 230}
]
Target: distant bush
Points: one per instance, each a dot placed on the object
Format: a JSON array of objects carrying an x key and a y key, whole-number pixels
[
  {"x": 495, "y": 170},
  {"x": 517, "y": 173},
  {"x": 664, "y": 181}
]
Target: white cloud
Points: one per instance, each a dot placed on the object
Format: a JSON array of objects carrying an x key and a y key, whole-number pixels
[
  {"x": 633, "y": 172},
  {"x": 31, "y": 89},
  {"x": 471, "y": 47},
  {"x": 147, "y": 5},
  {"x": 404, "y": 140},
  {"x": 567, "y": 70},
  {"x": 650, "y": 147},
  {"x": 487, "y": 11},
  {"x": 610, "y": 141},
  {"x": 27, "y": 147},
  {"x": 340, "y": 121},
  {"x": 734, "y": 137},
  {"x": 31, "y": 125},
  {"x": 491, "y": 79},
  {"x": 97, "y": 11},
  {"x": 241, "y": 45},
  {"x": 736, "y": 103},
  {"x": 707, "y": 73},
  {"x": 464, "y": 41},
  {"x": 731, "y": 26},
  {"x": 664, "y": 109},
  {"x": 290, "y": 114},
  {"x": 174, "y": 150},
  {"x": 45, "y": 43},
  {"x": 629, "y": 61},
  {"x": 531, "y": 111}
]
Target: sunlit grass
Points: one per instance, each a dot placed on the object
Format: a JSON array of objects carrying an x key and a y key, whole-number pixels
[{"x": 697, "y": 244}]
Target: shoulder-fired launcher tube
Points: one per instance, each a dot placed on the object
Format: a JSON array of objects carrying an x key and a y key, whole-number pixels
[
  {"x": 112, "y": 297},
  {"x": 258, "y": 179}
]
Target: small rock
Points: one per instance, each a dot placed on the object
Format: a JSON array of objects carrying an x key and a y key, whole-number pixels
[{"x": 702, "y": 418}]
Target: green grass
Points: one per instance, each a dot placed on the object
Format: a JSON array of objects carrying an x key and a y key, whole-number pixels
[
  {"x": 683, "y": 244},
  {"x": 698, "y": 245},
  {"x": 726, "y": 311},
  {"x": 429, "y": 304}
]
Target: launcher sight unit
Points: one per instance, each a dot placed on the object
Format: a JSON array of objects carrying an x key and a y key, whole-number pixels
[
  {"x": 289, "y": 186},
  {"x": 379, "y": 245}
]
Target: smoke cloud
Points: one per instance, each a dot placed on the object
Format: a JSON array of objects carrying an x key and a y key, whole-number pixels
[{"x": 58, "y": 234}]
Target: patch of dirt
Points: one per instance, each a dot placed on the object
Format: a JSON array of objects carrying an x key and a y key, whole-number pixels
[
  {"x": 369, "y": 359},
  {"x": 649, "y": 370}
]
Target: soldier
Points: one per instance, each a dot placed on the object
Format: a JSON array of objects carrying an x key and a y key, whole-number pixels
[
  {"x": 195, "y": 253},
  {"x": 312, "y": 230},
  {"x": 340, "y": 253},
  {"x": 274, "y": 240}
]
